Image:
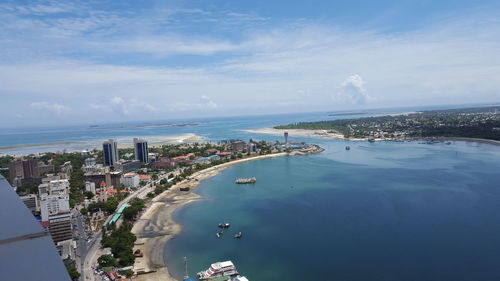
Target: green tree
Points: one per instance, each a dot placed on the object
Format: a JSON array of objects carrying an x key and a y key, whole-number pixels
[
  {"x": 73, "y": 273},
  {"x": 89, "y": 194},
  {"x": 107, "y": 260}
]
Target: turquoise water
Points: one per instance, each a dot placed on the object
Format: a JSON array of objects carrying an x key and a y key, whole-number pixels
[{"x": 383, "y": 211}]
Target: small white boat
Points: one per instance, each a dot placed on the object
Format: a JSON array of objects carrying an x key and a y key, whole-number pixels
[
  {"x": 219, "y": 234},
  {"x": 238, "y": 235}
]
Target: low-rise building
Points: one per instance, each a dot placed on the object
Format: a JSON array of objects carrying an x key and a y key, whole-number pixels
[
  {"x": 128, "y": 165},
  {"x": 110, "y": 178},
  {"x": 90, "y": 186}
]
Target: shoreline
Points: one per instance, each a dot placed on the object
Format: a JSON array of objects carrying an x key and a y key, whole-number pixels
[
  {"x": 324, "y": 134},
  {"x": 156, "y": 227},
  {"x": 74, "y": 146}
]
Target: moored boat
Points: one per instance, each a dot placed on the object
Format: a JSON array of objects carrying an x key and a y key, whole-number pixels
[
  {"x": 218, "y": 269},
  {"x": 238, "y": 235},
  {"x": 224, "y": 225},
  {"x": 246, "y": 180}
]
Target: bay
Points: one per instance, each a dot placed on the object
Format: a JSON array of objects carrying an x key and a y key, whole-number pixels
[{"x": 383, "y": 211}]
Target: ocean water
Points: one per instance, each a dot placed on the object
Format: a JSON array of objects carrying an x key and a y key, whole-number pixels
[
  {"x": 80, "y": 137},
  {"x": 381, "y": 211}
]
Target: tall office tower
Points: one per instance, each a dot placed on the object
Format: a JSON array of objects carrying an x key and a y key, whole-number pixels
[
  {"x": 110, "y": 152},
  {"x": 141, "y": 150},
  {"x": 286, "y": 137}
]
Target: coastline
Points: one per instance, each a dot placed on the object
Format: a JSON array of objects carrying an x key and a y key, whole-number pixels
[
  {"x": 303, "y": 133},
  {"x": 156, "y": 227},
  {"x": 123, "y": 142},
  {"x": 329, "y": 135}
]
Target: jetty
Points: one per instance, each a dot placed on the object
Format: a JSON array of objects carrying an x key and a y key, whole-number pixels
[{"x": 245, "y": 180}]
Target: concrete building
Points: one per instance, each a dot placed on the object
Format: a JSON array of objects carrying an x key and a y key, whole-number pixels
[
  {"x": 66, "y": 249},
  {"x": 59, "y": 226},
  {"x": 128, "y": 165},
  {"x": 53, "y": 205},
  {"x": 53, "y": 187},
  {"x": 252, "y": 147},
  {"x": 237, "y": 145},
  {"x": 27, "y": 171},
  {"x": 89, "y": 161},
  {"x": 90, "y": 186},
  {"x": 67, "y": 168},
  {"x": 110, "y": 152},
  {"x": 130, "y": 180},
  {"x": 31, "y": 202},
  {"x": 286, "y": 137},
  {"x": 110, "y": 178},
  {"x": 141, "y": 150}
]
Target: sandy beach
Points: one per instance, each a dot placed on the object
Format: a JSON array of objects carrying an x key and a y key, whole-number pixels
[
  {"x": 156, "y": 227},
  {"x": 302, "y": 133},
  {"x": 95, "y": 144}
]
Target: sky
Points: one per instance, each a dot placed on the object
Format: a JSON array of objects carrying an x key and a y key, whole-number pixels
[{"x": 64, "y": 62}]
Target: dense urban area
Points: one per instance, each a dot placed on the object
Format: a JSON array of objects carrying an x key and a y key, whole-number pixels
[
  {"x": 89, "y": 200},
  {"x": 481, "y": 123}
]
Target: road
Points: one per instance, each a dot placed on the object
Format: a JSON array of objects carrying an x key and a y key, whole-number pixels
[{"x": 88, "y": 251}]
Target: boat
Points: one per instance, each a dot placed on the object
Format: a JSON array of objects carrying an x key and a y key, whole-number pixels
[
  {"x": 238, "y": 235},
  {"x": 347, "y": 148},
  {"x": 218, "y": 269},
  {"x": 224, "y": 225},
  {"x": 219, "y": 234},
  {"x": 246, "y": 180}
]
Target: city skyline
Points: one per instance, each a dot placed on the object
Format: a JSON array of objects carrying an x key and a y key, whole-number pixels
[{"x": 64, "y": 62}]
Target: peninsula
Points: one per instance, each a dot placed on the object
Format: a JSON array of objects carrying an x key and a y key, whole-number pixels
[{"x": 466, "y": 123}]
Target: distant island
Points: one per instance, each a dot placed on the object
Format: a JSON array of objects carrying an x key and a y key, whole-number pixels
[
  {"x": 145, "y": 126},
  {"x": 480, "y": 123}
]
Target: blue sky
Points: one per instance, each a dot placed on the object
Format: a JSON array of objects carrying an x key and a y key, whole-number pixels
[{"x": 97, "y": 61}]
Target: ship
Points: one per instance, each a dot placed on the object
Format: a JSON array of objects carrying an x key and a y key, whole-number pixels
[
  {"x": 218, "y": 269},
  {"x": 246, "y": 180}
]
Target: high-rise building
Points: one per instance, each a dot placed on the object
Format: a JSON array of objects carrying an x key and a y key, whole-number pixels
[
  {"x": 52, "y": 205},
  {"x": 286, "y": 137},
  {"x": 28, "y": 171},
  {"x": 110, "y": 152},
  {"x": 31, "y": 202},
  {"x": 141, "y": 150}
]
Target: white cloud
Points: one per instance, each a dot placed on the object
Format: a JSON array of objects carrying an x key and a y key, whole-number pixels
[
  {"x": 51, "y": 107},
  {"x": 203, "y": 104},
  {"x": 122, "y": 106},
  {"x": 352, "y": 90},
  {"x": 206, "y": 102},
  {"x": 119, "y": 106},
  {"x": 284, "y": 68}
]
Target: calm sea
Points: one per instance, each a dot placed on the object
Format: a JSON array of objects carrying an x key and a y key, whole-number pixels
[{"x": 382, "y": 211}]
